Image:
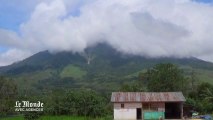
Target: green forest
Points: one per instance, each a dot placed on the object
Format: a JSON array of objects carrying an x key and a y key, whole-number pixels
[{"x": 88, "y": 103}]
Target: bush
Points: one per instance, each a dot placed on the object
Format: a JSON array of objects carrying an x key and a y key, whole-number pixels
[
  {"x": 76, "y": 102},
  {"x": 31, "y": 115}
]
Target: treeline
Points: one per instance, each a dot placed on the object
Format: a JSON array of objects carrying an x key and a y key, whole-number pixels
[
  {"x": 81, "y": 102},
  {"x": 201, "y": 98},
  {"x": 78, "y": 102},
  {"x": 8, "y": 96},
  {"x": 90, "y": 103},
  {"x": 169, "y": 78}
]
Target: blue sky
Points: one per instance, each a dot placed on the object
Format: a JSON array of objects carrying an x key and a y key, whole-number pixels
[
  {"x": 86, "y": 22},
  {"x": 13, "y": 14},
  {"x": 204, "y": 1},
  {"x": 3, "y": 49}
]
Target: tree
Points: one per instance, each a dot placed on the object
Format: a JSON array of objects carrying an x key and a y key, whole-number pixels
[
  {"x": 205, "y": 91},
  {"x": 209, "y": 95},
  {"x": 134, "y": 87},
  {"x": 193, "y": 80},
  {"x": 165, "y": 78},
  {"x": 8, "y": 94},
  {"x": 202, "y": 97},
  {"x": 85, "y": 102},
  {"x": 31, "y": 115}
]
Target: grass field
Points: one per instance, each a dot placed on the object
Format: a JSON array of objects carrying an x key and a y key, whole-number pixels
[
  {"x": 73, "y": 71},
  {"x": 28, "y": 79},
  {"x": 200, "y": 74},
  {"x": 56, "y": 118},
  {"x": 205, "y": 75}
]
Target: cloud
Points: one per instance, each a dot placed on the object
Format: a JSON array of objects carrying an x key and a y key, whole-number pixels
[
  {"x": 13, "y": 55},
  {"x": 9, "y": 38},
  {"x": 152, "y": 28}
]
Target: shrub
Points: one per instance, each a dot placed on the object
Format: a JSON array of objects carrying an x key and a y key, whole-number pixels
[{"x": 31, "y": 115}]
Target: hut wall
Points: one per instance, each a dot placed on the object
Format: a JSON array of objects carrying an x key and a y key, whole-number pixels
[{"x": 127, "y": 112}]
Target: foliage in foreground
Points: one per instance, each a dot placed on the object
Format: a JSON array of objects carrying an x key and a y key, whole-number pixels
[
  {"x": 165, "y": 78},
  {"x": 90, "y": 104},
  {"x": 8, "y": 94},
  {"x": 201, "y": 99},
  {"x": 169, "y": 78},
  {"x": 31, "y": 115},
  {"x": 60, "y": 118},
  {"x": 80, "y": 103}
]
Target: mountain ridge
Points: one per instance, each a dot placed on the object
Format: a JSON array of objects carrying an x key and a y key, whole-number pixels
[
  {"x": 100, "y": 65},
  {"x": 46, "y": 56}
]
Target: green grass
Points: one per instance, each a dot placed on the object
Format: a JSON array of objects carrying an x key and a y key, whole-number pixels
[
  {"x": 48, "y": 118},
  {"x": 135, "y": 74},
  {"x": 73, "y": 71},
  {"x": 205, "y": 75},
  {"x": 55, "y": 118},
  {"x": 12, "y": 118},
  {"x": 201, "y": 74},
  {"x": 61, "y": 118},
  {"x": 28, "y": 79}
]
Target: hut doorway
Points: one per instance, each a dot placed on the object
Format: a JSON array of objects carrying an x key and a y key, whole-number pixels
[
  {"x": 172, "y": 110},
  {"x": 139, "y": 114}
]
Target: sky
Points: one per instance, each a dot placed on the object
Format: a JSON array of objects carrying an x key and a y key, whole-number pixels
[{"x": 150, "y": 28}]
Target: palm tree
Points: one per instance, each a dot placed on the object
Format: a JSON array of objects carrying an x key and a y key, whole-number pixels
[{"x": 208, "y": 95}]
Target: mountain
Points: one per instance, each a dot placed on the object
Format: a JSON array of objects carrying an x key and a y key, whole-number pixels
[{"x": 100, "y": 67}]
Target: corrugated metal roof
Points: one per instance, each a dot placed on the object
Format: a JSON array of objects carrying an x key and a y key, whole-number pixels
[{"x": 147, "y": 97}]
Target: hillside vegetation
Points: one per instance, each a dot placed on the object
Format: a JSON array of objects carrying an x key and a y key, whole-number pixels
[
  {"x": 61, "y": 98},
  {"x": 100, "y": 67}
]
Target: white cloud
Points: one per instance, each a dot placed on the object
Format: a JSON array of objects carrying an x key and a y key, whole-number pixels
[
  {"x": 13, "y": 55},
  {"x": 153, "y": 28},
  {"x": 9, "y": 38}
]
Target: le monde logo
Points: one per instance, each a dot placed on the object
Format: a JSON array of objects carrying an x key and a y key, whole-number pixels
[{"x": 28, "y": 106}]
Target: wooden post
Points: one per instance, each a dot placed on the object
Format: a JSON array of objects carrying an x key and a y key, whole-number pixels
[
  {"x": 142, "y": 111},
  {"x": 181, "y": 110}
]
